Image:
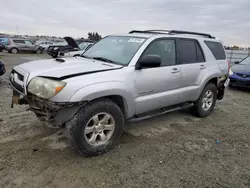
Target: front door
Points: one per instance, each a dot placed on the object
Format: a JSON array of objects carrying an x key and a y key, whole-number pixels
[
  {"x": 29, "y": 46},
  {"x": 158, "y": 87}
]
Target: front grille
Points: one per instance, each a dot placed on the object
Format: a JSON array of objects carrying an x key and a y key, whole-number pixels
[
  {"x": 243, "y": 75},
  {"x": 19, "y": 76},
  {"x": 16, "y": 85},
  {"x": 241, "y": 83}
]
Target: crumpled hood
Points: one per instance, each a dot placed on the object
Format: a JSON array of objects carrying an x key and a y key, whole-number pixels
[
  {"x": 241, "y": 68},
  {"x": 70, "y": 67}
]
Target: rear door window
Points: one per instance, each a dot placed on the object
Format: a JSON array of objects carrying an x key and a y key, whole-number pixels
[
  {"x": 186, "y": 51},
  {"x": 217, "y": 49},
  {"x": 189, "y": 51},
  {"x": 199, "y": 53},
  {"x": 19, "y": 41}
]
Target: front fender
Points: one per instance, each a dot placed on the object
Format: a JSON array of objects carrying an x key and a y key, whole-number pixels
[{"x": 95, "y": 91}]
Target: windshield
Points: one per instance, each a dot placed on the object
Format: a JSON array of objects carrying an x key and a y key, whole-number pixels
[
  {"x": 120, "y": 49},
  {"x": 246, "y": 61},
  {"x": 83, "y": 45}
]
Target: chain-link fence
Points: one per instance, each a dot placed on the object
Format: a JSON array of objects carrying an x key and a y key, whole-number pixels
[{"x": 237, "y": 55}]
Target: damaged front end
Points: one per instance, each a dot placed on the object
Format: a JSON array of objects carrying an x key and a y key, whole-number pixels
[{"x": 54, "y": 114}]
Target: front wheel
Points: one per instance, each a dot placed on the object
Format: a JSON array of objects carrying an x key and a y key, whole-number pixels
[
  {"x": 96, "y": 127},
  {"x": 206, "y": 102}
]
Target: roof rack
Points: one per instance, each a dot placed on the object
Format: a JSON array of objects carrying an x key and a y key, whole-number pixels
[{"x": 171, "y": 32}]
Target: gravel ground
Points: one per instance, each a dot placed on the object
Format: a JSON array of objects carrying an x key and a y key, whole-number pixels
[{"x": 173, "y": 150}]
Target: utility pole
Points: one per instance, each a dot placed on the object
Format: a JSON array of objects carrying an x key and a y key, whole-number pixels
[{"x": 17, "y": 29}]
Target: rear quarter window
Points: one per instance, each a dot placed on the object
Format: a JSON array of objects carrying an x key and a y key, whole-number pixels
[{"x": 217, "y": 49}]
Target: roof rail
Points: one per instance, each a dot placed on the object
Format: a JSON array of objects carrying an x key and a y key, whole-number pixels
[{"x": 171, "y": 32}]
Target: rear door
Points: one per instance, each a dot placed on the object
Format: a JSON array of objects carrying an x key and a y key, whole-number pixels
[
  {"x": 158, "y": 87},
  {"x": 192, "y": 65},
  {"x": 20, "y": 44}
]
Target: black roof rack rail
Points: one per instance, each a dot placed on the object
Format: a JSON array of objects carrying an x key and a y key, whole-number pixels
[
  {"x": 172, "y": 32},
  {"x": 146, "y": 31}
]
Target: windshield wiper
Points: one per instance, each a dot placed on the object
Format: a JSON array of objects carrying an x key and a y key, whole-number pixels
[
  {"x": 104, "y": 59},
  {"x": 85, "y": 56}
]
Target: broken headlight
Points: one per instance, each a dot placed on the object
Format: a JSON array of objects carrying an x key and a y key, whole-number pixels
[{"x": 44, "y": 87}]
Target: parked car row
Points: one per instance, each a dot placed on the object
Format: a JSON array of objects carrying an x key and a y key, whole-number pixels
[
  {"x": 69, "y": 47},
  {"x": 72, "y": 48}
]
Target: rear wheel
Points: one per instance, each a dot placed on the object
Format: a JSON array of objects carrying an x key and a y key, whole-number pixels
[
  {"x": 96, "y": 127},
  {"x": 206, "y": 102}
]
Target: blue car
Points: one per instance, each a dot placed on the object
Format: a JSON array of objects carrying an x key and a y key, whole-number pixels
[
  {"x": 2, "y": 68},
  {"x": 241, "y": 74}
]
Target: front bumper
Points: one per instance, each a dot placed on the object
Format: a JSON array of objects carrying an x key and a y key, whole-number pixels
[
  {"x": 55, "y": 114},
  {"x": 239, "y": 83}
]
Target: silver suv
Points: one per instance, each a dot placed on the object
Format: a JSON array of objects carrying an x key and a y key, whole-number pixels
[
  {"x": 20, "y": 45},
  {"x": 123, "y": 77}
]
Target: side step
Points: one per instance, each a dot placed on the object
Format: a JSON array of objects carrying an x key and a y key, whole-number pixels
[{"x": 161, "y": 112}]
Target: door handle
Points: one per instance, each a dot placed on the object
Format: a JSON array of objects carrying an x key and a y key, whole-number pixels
[
  {"x": 175, "y": 70},
  {"x": 202, "y": 66}
]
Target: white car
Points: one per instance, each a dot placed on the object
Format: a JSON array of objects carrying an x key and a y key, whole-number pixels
[
  {"x": 44, "y": 44},
  {"x": 83, "y": 46}
]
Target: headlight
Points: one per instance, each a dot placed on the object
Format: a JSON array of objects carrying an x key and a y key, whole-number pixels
[
  {"x": 55, "y": 48},
  {"x": 44, "y": 87}
]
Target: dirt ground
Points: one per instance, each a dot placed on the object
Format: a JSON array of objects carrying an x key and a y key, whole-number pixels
[{"x": 173, "y": 150}]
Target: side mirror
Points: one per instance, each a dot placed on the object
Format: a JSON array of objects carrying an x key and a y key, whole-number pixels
[
  {"x": 149, "y": 61},
  {"x": 236, "y": 62}
]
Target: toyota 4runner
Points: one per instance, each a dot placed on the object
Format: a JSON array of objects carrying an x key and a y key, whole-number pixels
[{"x": 122, "y": 77}]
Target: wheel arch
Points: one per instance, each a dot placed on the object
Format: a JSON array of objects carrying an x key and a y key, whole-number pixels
[{"x": 114, "y": 91}]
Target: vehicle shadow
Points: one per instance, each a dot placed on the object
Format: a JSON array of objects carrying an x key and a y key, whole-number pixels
[{"x": 235, "y": 88}]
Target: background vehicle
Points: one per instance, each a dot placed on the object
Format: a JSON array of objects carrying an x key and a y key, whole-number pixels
[
  {"x": 20, "y": 45},
  {"x": 42, "y": 46},
  {"x": 83, "y": 46},
  {"x": 2, "y": 46},
  {"x": 2, "y": 67},
  {"x": 241, "y": 73},
  {"x": 123, "y": 77},
  {"x": 5, "y": 41},
  {"x": 72, "y": 45}
]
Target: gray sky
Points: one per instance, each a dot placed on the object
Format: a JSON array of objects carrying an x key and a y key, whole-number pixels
[{"x": 227, "y": 19}]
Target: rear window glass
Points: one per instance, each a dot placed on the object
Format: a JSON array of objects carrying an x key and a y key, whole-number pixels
[{"x": 217, "y": 49}]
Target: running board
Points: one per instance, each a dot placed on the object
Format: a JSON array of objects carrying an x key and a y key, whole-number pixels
[{"x": 161, "y": 112}]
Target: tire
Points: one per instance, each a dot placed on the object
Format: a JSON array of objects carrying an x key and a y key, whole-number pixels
[
  {"x": 199, "y": 109},
  {"x": 92, "y": 144},
  {"x": 13, "y": 50},
  {"x": 38, "y": 51},
  {"x": 54, "y": 56}
]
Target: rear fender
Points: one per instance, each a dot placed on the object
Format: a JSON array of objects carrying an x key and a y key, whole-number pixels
[
  {"x": 99, "y": 90},
  {"x": 213, "y": 73}
]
